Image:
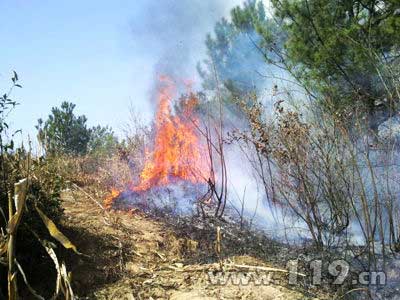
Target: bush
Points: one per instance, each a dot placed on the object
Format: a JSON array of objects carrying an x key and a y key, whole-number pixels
[{"x": 63, "y": 131}]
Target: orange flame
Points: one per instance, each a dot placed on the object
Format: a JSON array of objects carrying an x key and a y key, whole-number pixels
[
  {"x": 110, "y": 198},
  {"x": 177, "y": 152},
  {"x": 177, "y": 149}
]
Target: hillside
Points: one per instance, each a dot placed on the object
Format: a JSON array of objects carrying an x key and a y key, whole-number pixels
[{"x": 135, "y": 256}]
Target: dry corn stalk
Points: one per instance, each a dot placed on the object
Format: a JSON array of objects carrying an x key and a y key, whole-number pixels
[
  {"x": 20, "y": 191},
  {"x": 55, "y": 232},
  {"x": 8, "y": 246},
  {"x": 218, "y": 247}
]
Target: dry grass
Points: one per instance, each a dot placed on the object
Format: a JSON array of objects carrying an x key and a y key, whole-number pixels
[{"x": 133, "y": 256}]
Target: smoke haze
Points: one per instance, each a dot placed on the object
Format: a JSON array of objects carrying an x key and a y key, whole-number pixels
[{"x": 173, "y": 32}]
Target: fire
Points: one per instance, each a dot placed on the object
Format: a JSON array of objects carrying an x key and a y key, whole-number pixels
[
  {"x": 110, "y": 199},
  {"x": 177, "y": 152}
]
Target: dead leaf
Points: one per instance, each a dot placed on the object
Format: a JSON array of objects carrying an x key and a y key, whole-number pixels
[{"x": 55, "y": 233}]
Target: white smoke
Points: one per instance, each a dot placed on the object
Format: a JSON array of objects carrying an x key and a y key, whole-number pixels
[{"x": 174, "y": 31}]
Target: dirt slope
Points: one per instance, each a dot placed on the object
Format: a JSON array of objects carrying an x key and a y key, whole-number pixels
[{"x": 131, "y": 256}]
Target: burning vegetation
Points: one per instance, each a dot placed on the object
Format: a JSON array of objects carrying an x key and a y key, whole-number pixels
[
  {"x": 305, "y": 96},
  {"x": 177, "y": 153}
]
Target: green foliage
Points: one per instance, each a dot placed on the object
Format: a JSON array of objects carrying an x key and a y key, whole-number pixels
[
  {"x": 238, "y": 54},
  {"x": 102, "y": 141},
  {"x": 64, "y": 132},
  {"x": 233, "y": 54},
  {"x": 6, "y": 106},
  {"x": 344, "y": 53},
  {"x": 341, "y": 49}
]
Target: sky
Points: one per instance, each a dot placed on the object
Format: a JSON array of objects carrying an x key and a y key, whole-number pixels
[{"x": 101, "y": 55}]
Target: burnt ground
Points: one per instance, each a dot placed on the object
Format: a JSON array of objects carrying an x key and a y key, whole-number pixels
[{"x": 131, "y": 255}]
